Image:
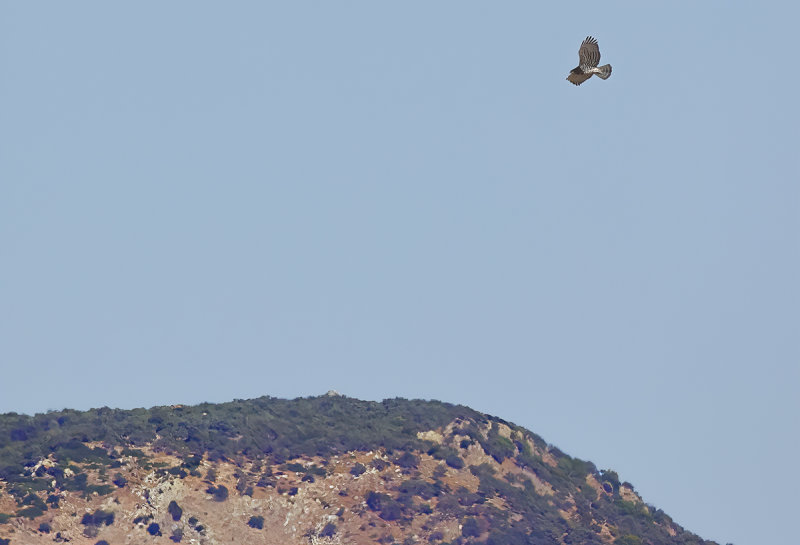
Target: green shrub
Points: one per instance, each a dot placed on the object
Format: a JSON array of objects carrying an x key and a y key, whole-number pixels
[
  {"x": 574, "y": 467},
  {"x": 418, "y": 487},
  {"x": 31, "y": 512},
  {"x": 498, "y": 447},
  {"x": 100, "y": 489}
]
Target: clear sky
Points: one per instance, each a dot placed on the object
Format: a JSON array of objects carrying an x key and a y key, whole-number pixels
[{"x": 202, "y": 201}]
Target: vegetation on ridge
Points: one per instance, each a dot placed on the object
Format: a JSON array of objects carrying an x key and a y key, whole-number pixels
[
  {"x": 283, "y": 429},
  {"x": 527, "y": 491}
]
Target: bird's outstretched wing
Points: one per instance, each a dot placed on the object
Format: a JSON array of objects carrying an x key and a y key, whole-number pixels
[
  {"x": 589, "y": 53},
  {"x": 577, "y": 79}
]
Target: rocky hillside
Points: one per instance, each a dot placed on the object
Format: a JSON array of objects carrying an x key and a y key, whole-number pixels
[{"x": 323, "y": 470}]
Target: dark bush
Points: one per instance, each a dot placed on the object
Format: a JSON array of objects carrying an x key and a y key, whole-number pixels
[
  {"x": 77, "y": 483},
  {"x": 379, "y": 464},
  {"x": 295, "y": 467},
  {"x": 358, "y": 469},
  {"x": 177, "y": 535},
  {"x": 31, "y": 512},
  {"x": 119, "y": 480},
  {"x": 575, "y": 467},
  {"x": 373, "y": 500},
  {"x": 498, "y": 447},
  {"x": 467, "y": 498},
  {"x": 418, "y": 487},
  {"x": 454, "y": 461},
  {"x": 612, "y": 477},
  {"x": 220, "y": 493},
  {"x": 470, "y": 528},
  {"x": 29, "y": 499},
  {"x": 101, "y": 489},
  {"x": 44, "y": 528},
  {"x": 328, "y": 530},
  {"x": 256, "y": 522},
  {"x": 449, "y": 505},
  {"x": 19, "y": 435},
  {"x": 154, "y": 529},
  {"x": 407, "y": 460},
  {"x": 97, "y": 518},
  {"x": 12, "y": 472},
  {"x": 175, "y": 510},
  {"x": 265, "y": 481},
  {"x": 390, "y": 510},
  {"x": 178, "y": 472}
]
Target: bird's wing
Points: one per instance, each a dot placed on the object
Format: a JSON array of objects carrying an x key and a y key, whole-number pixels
[
  {"x": 589, "y": 53},
  {"x": 577, "y": 79}
]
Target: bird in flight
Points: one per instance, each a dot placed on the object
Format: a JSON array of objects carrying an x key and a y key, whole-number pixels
[{"x": 589, "y": 57}]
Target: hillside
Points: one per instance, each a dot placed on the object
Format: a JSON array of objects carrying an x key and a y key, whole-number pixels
[{"x": 319, "y": 470}]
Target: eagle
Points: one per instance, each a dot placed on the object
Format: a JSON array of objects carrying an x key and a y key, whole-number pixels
[{"x": 589, "y": 57}]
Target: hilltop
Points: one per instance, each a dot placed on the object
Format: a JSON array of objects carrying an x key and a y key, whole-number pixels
[{"x": 319, "y": 470}]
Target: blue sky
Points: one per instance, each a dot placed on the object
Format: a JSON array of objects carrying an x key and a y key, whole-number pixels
[{"x": 201, "y": 202}]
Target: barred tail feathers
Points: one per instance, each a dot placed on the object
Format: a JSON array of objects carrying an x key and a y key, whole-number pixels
[{"x": 604, "y": 71}]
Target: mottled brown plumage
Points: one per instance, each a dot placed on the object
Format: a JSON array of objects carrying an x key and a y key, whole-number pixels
[{"x": 588, "y": 58}]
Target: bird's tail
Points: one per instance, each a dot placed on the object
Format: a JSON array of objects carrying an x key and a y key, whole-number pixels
[{"x": 604, "y": 71}]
